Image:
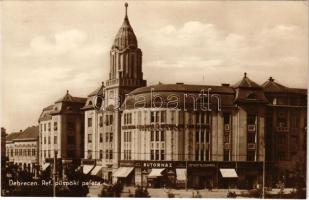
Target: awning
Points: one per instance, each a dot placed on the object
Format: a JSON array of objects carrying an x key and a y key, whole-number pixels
[
  {"x": 181, "y": 174},
  {"x": 87, "y": 168},
  {"x": 228, "y": 173},
  {"x": 155, "y": 173},
  {"x": 96, "y": 171},
  {"x": 45, "y": 165},
  {"x": 123, "y": 172}
]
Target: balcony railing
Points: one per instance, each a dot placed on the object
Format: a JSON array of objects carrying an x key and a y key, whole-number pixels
[{"x": 252, "y": 128}]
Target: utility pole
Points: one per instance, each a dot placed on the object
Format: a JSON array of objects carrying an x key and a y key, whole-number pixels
[{"x": 55, "y": 173}]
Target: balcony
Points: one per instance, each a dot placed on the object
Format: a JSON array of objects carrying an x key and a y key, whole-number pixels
[
  {"x": 252, "y": 128},
  {"x": 251, "y": 146}
]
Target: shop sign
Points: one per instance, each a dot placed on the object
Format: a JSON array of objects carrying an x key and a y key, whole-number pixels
[
  {"x": 157, "y": 164},
  {"x": 197, "y": 165}
]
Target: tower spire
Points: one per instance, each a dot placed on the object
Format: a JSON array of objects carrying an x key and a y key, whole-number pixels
[{"x": 126, "y": 7}]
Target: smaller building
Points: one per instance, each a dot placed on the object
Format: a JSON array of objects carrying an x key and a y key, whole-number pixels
[
  {"x": 22, "y": 148},
  {"x": 61, "y": 131}
]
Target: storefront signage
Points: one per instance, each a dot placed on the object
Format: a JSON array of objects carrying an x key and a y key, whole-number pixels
[
  {"x": 201, "y": 165},
  {"x": 158, "y": 164}
]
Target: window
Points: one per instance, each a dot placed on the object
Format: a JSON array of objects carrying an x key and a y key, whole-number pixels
[
  {"x": 106, "y": 137},
  {"x": 55, "y": 126},
  {"x": 282, "y": 118},
  {"x": 44, "y": 127},
  {"x": 251, "y": 119},
  {"x": 157, "y": 136},
  {"x": 226, "y": 155},
  {"x": 281, "y": 155},
  {"x": 251, "y": 156},
  {"x": 89, "y": 138},
  {"x": 251, "y": 138},
  {"x": 110, "y": 154},
  {"x": 202, "y": 155},
  {"x": 71, "y": 139},
  {"x": 226, "y": 118},
  {"x": 226, "y": 138},
  {"x": 49, "y": 126},
  {"x": 89, "y": 122},
  {"x": 108, "y": 120},
  {"x": 162, "y": 155},
  {"x": 152, "y": 136},
  {"x": 70, "y": 125},
  {"x": 106, "y": 154},
  {"x": 55, "y": 139},
  {"x": 33, "y": 152},
  {"x": 197, "y": 136},
  {"x": 111, "y": 137},
  {"x": 101, "y": 121},
  {"x": 157, "y": 116},
  {"x": 207, "y": 136},
  {"x": 101, "y": 137},
  {"x": 152, "y": 155},
  {"x": 163, "y": 116},
  {"x": 152, "y": 116},
  {"x": 197, "y": 154},
  {"x": 44, "y": 140},
  {"x": 48, "y": 140},
  {"x": 101, "y": 154},
  {"x": 89, "y": 154},
  {"x": 162, "y": 136},
  {"x": 157, "y": 155},
  {"x": 202, "y": 136}
]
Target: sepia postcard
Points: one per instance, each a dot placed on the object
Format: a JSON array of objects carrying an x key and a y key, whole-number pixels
[{"x": 158, "y": 99}]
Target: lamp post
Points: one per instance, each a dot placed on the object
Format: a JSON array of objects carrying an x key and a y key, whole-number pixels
[{"x": 55, "y": 173}]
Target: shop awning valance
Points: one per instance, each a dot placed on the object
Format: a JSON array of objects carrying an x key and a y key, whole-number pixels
[
  {"x": 87, "y": 168},
  {"x": 96, "y": 171},
  {"x": 155, "y": 173},
  {"x": 181, "y": 174},
  {"x": 45, "y": 165},
  {"x": 123, "y": 172},
  {"x": 228, "y": 173}
]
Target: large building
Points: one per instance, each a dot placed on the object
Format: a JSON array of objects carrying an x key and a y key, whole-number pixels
[
  {"x": 61, "y": 131},
  {"x": 187, "y": 135},
  {"x": 22, "y": 148}
]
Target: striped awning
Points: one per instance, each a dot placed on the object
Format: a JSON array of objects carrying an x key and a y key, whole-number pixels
[
  {"x": 96, "y": 171},
  {"x": 155, "y": 172},
  {"x": 123, "y": 172},
  {"x": 87, "y": 168},
  {"x": 45, "y": 166},
  {"x": 228, "y": 173},
  {"x": 181, "y": 174}
]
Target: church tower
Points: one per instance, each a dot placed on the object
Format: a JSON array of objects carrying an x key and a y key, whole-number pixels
[{"x": 125, "y": 63}]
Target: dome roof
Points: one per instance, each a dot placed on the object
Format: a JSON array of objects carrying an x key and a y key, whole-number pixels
[
  {"x": 246, "y": 83},
  {"x": 125, "y": 37}
]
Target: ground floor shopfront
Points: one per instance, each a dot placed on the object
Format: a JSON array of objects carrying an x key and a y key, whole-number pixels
[{"x": 190, "y": 174}]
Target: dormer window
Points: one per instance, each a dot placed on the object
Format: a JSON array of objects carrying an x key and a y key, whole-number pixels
[{"x": 252, "y": 96}]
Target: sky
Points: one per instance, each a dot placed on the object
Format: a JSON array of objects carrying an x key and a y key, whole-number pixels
[{"x": 48, "y": 47}]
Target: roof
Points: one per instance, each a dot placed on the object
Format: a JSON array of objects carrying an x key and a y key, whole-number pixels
[
  {"x": 68, "y": 98},
  {"x": 125, "y": 37},
  {"x": 29, "y": 133},
  {"x": 271, "y": 86},
  {"x": 187, "y": 96},
  {"x": 245, "y": 82}
]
